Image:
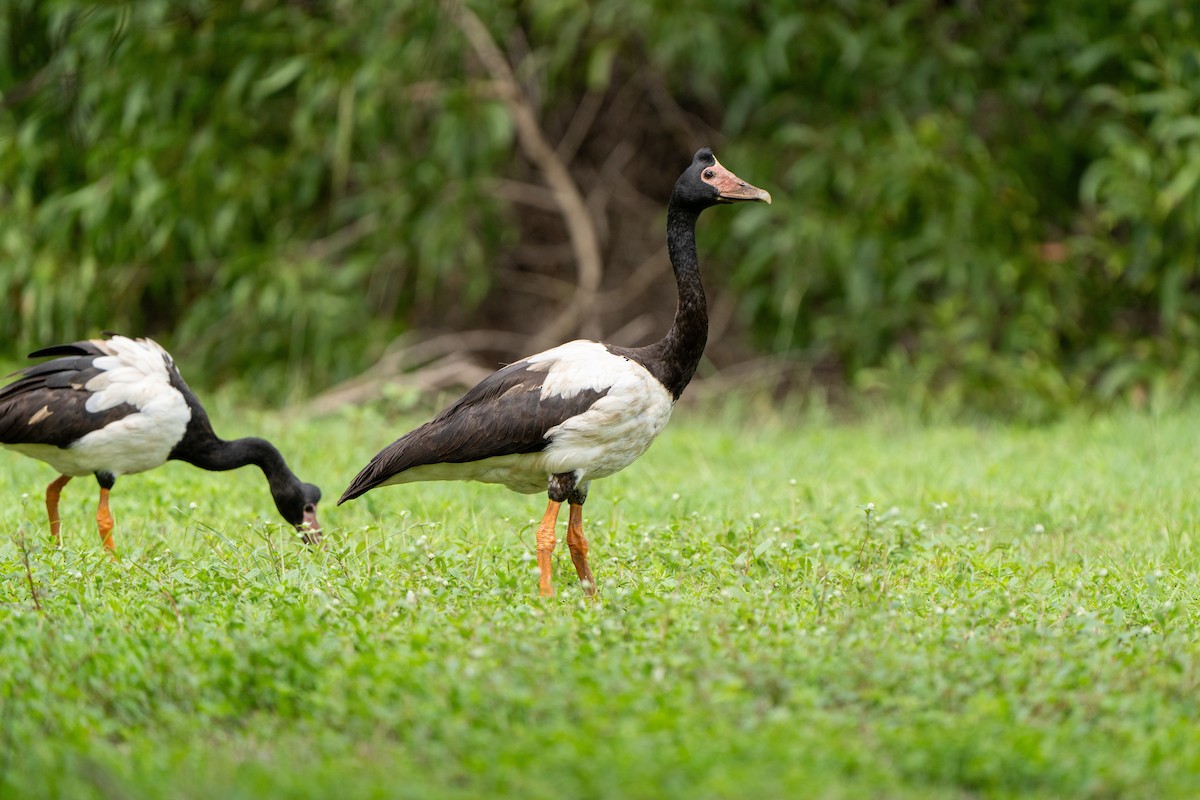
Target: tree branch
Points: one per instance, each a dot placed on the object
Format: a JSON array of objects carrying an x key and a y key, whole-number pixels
[
  {"x": 567, "y": 196},
  {"x": 429, "y": 365}
]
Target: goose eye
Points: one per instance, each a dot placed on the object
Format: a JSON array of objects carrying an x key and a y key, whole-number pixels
[
  {"x": 309, "y": 508},
  {"x": 708, "y": 173}
]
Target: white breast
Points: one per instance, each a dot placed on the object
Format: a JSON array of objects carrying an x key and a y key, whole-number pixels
[
  {"x": 610, "y": 435},
  {"x": 618, "y": 428}
]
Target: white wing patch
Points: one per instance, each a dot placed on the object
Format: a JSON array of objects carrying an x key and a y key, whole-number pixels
[
  {"x": 579, "y": 366},
  {"x": 136, "y": 372},
  {"x": 133, "y": 372}
]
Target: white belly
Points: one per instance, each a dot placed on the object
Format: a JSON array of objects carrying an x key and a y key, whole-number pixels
[
  {"x": 132, "y": 444},
  {"x": 523, "y": 472}
]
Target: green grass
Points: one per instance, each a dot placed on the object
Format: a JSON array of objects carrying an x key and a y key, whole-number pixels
[{"x": 1016, "y": 615}]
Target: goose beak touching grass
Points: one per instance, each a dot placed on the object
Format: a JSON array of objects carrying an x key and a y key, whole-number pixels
[
  {"x": 557, "y": 420},
  {"x": 116, "y": 406}
]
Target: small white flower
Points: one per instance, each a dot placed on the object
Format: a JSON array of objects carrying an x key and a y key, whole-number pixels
[
  {"x": 791, "y": 481},
  {"x": 1102, "y": 572},
  {"x": 675, "y": 496},
  {"x": 870, "y": 506},
  {"x": 1039, "y": 528},
  {"x": 193, "y": 504}
]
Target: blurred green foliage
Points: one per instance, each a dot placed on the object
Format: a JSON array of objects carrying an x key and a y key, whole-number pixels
[
  {"x": 253, "y": 182},
  {"x": 987, "y": 205}
]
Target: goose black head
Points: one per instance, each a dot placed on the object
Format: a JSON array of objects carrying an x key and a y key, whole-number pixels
[
  {"x": 297, "y": 503},
  {"x": 706, "y": 183}
]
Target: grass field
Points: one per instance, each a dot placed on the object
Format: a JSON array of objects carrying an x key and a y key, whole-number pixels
[{"x": 789, "y": 608}]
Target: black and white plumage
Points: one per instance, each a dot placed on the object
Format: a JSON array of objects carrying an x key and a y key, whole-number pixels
[
  {"x": 116, "y": 406},
  {"x": 584, "y": 410}
]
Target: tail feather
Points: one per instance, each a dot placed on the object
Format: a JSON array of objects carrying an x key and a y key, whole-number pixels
[
  {"x": 448, "y": 439},
  {"x": 363, "y": 482},
  {"x": 86, "y": 348},
  {"x": 393, "y": 459}
]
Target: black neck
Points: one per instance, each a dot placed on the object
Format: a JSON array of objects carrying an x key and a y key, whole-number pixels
[
  {"x": 674, "y": 358},
  {"x": 218, "y": 455},
  {"x": 201, "y": 447}
]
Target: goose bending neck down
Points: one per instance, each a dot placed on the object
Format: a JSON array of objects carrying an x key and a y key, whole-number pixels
[{"x": 116, "y": 406}]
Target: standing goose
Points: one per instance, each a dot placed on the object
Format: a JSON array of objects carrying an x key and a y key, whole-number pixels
[
  {"x": 557, "y": 420},
  {"x": 110, "y": 407}
]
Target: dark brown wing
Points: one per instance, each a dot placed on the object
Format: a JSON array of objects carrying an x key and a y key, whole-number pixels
[{"x": 47, "y": 403}]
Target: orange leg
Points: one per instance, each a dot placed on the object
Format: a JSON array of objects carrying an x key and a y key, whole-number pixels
[
  {"x": 545, "y": 547},
  {"x": 52, "y": 493},
  {"x": 104, "y": 520},
  {"x": 579, "y": 550}
]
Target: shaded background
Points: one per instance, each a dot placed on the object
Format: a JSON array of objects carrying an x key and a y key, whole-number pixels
[{"x": 990, "y": 206}]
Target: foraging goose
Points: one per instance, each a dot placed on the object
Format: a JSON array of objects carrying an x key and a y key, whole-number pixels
[
  {"x": 557, "y": 420},
  {"x": 116, "y": 406}
]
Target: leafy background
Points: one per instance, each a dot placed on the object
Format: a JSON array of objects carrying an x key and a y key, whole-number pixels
[{"x": 990, "y": 206}]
